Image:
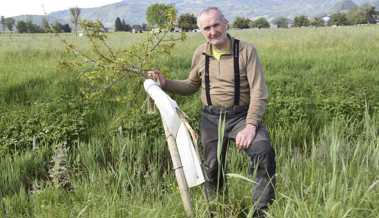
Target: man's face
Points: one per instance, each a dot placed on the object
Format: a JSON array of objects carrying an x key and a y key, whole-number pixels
[{"x": 213, "y": 27}]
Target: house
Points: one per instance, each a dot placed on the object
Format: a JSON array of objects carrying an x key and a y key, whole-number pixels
[{"x": 326, "y": 20}]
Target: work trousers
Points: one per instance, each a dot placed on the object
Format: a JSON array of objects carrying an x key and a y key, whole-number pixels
[{"x": 260, "y": 153}]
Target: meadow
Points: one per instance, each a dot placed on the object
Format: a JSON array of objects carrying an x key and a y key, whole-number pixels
[{"x": 323, "y": 118}]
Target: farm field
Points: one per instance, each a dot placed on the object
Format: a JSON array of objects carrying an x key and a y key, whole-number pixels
[{"x": 323, "y": 118}]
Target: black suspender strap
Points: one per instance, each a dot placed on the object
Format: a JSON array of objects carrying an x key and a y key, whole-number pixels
[
  {"x": 206, "y": 77},
  {"x": 236, "y": 75},
  {"x": 236, "y": 72}
]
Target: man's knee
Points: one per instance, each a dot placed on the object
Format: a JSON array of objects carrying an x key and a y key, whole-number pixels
[{"x": 262, "y": 158}]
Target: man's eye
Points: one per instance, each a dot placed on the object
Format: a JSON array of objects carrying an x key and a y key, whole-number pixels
[
  {"x": 216, "y": 25},
  {"x": 207, "y": 28}
]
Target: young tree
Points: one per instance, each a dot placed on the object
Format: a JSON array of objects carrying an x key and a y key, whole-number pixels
[
  {"x": 75, "y": 15},
  {"x": 187, "y": 22},
  {"x": 301, "y": 21},
  {"x": 118, "y": 25},
  {"x": 261, "y": 23},
  {"x": 158, "y": 15},
  {"x": 241, "y": 23}
]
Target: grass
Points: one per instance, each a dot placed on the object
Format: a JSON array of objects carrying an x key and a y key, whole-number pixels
[{"x": 322, "y": 116}]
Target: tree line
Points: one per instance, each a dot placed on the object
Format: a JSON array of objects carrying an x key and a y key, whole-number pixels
[
  {"x": 156, "y": 16},
  {"x": 365, "y": 14}
]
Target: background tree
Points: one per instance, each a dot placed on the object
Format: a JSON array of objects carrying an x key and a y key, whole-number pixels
[
  {"x": 66, "y": 28},
  {"x": 9, "y": 23},
  {"x": 61, "y": 28},
  {"x": 45, "y": 25},
  {"x": 301, "y": 21},
  {"x": 158, "y": 15},
  {"x": 362, "y": 15},
  {"x": 241, "y": 23},
  {"x": 118, "y": 25},
  {"x": 75, "y": 15},
  {"x": 2, "y": 21},
  {"x": 338, "y": 19},
  {"x": 281, "y": 22},
  {"x": 317, "y": 22},
  {"x": 21, "y": 26},
  {"x": 261, "y": 23},
  {"x": 187, "y": 22},
  {"x": 145, "y": 27},
  {"x": 33, "y": 28}
]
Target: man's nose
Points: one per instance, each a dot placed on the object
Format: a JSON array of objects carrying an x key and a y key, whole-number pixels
[{"x": 212, "y": 31}]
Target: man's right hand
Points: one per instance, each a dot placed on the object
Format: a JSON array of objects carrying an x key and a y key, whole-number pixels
[{"x": 157, "y": 76}]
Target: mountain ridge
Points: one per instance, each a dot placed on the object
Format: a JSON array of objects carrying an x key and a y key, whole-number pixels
[{"x": 133, "y": 11}]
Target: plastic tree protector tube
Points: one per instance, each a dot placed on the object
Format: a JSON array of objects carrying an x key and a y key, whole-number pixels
[{"x": 168, "y": 111}]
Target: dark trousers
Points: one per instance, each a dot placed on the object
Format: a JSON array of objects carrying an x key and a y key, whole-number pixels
[{"x": 260, "y": 153}]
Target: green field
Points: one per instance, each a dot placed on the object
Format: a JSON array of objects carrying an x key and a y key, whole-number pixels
[{"x": 323, "y": 117}]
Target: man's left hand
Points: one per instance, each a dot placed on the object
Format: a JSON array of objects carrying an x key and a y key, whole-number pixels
[{"x": 245, "y": 137}]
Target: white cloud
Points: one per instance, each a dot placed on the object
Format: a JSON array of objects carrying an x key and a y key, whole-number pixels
[{"x": 20, "y": 7}]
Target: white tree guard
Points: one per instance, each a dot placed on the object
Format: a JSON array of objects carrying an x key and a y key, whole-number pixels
[{"x": 168, "y": 110}]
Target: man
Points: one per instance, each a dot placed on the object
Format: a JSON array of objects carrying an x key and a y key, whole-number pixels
[{"x": 232, "y": 87}]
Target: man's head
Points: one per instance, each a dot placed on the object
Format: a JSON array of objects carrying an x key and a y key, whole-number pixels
[{"x": 213, "y": 25}]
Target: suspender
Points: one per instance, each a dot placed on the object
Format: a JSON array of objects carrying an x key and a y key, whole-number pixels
[
  {"x": 236, "y": 72},
  {"x": 206, "y": 77},
  {"x": 236, "y": 75}
]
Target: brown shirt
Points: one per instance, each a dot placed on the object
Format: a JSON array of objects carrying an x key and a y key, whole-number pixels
[{"x": 253, "y": 89}]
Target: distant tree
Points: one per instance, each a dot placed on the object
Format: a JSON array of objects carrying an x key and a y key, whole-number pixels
[
  {"x": 260, "y": 23},
  {"x": 300, "y": 21},
  {"x": 61, "y": 28},
  {"x": 33, "y": 28},
  {"x": 241, "y": 23},
  {"x": 45, "y": 25},
  {"x": 66, "y": 28},
  {"x": 56, "y": 27},
  {"x": 338, "y": 19},
  {"x": 187, "y": 22},
  {"x": 118, "y": 25},
  {"x": 9, "y": 23},
  {"x": 317, "y": 22},
  {"x": 364, "y": 14},
  {"x": 28, "y": 27},
  {"x": 127, "y": 28},
  {"x": 2, "y": 21},
  {"x": 281, "y": 22},
  {"x": 145, "y": 27},
  {"x": 75, "y": 15},
  {"x": 21, "y": 26},
  {"x": 158, "y": 15}
]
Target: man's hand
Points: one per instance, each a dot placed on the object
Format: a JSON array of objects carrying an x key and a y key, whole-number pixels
[
  {"x": 157, "y": 76},
  {"x": 245, "y": 137}
]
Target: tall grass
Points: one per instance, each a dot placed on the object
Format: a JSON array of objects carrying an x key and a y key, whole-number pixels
[{"x": 322, "y": 116}]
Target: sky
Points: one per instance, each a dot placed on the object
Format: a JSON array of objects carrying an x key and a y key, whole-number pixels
[{"x": 10, "y": 8}]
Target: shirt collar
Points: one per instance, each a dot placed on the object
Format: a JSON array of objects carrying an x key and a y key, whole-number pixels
[{"x": 208, "y": 47}]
